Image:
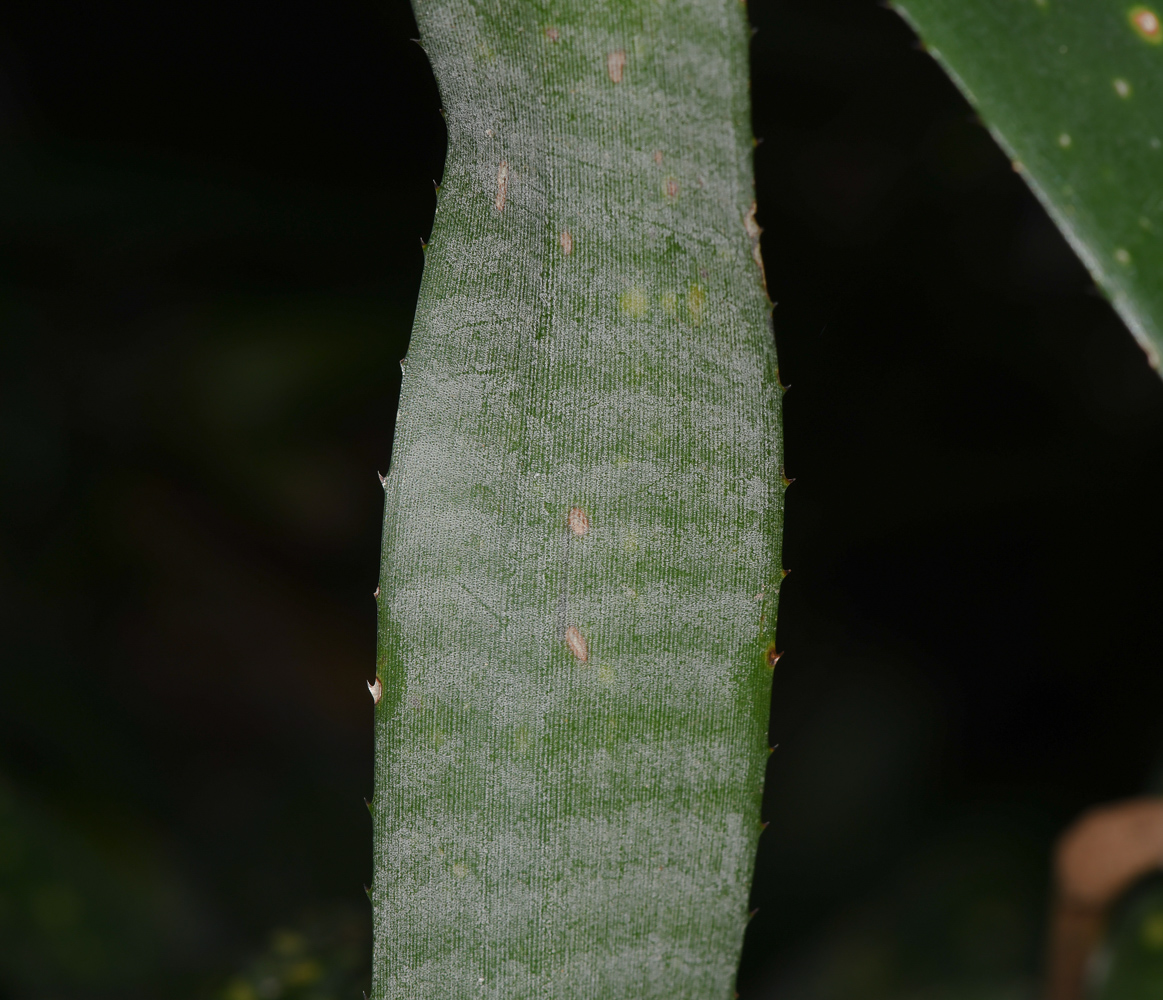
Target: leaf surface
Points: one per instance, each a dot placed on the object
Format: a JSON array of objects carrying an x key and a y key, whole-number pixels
[
  {"x": 581, "y": 537},
  {"x": 1073, "y": 91}
]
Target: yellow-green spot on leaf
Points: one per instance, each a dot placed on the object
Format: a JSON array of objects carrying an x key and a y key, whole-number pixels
[
  {"x": 459, "y": 871},
  {"x": 1122, "y": 87},
  {"x": 1146, "y": 24},
  {"x": 669, "y": 303},
  {"x": 1065, "y": 141},
  {"x": 695, "y": 300},
  {"x": 605, "y": 675},
  {"x": 1122, "y": 256},
  {"x": 634, "y": 301},
  {"x": 631, "y": 542}
]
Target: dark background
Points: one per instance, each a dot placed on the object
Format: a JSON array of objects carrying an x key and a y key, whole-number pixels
[{"x": 210, "y": 223}]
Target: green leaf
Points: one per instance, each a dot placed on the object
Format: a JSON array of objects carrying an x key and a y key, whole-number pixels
[
  {"x": 1073, "y": 91},
  {"x": 581, "y": 537}
]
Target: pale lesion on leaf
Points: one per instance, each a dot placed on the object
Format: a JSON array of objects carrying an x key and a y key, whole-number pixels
[{"x": 616, "y": 65}]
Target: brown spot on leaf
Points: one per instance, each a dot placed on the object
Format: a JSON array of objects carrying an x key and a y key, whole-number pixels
[
  {"x": 579, "y": 522},
  {"x": 566, "y": 241},
  {"x": 615, "y": 65},
  {"x": 577, "y": 644}
]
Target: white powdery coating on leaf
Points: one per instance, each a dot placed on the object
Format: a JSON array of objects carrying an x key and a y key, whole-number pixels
[
  {"x": 621, "y": 852},
  {"x": 579, "y": 516}
]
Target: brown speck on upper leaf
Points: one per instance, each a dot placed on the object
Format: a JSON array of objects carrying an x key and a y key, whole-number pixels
[
  {"x": 579, "y": 522},
  {"x": 615, "y": 64},
  {"x": 577, "y": 644},
  {"x": 671, "y": 187},
  {"x": 566, "y": 241},
  {"x": 502, "y": 185},
  {"x": 658, "y": 157},
  {"x": 552, "y": 34},
  {"x": 772, "y": 656}
]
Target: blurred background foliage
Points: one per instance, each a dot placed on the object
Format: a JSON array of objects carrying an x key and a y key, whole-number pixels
[
  {"x": 210, "y": 222},
  {"x": 1130, "y": 964}
]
